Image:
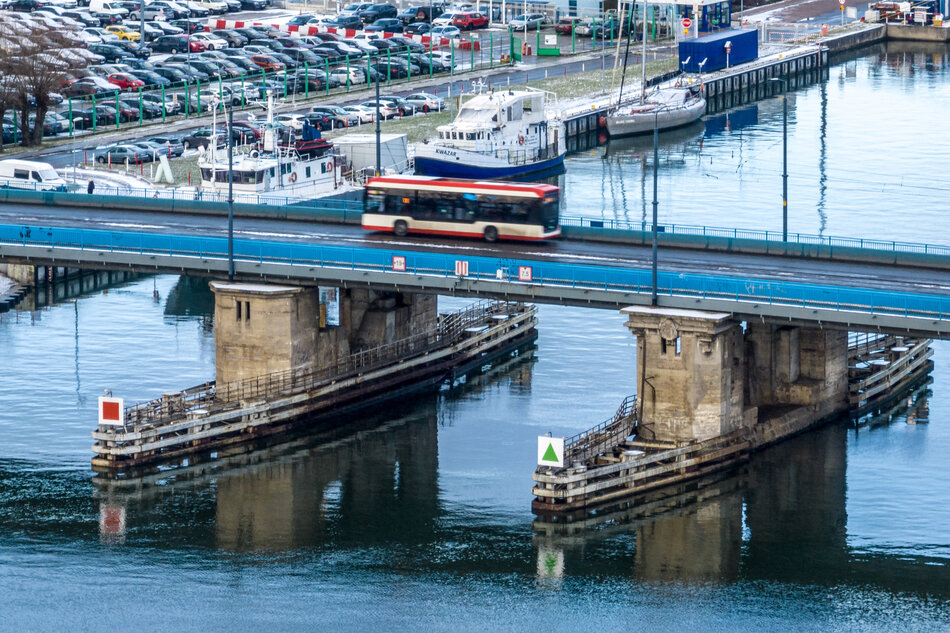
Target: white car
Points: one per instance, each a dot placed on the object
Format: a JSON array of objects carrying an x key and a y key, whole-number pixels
[
  {"x": 356, "y": 74},
  {"x": 443, "y": 20},
  {"x": 211, "y": 42},
  {"x": 103, "y": 34},
  {"x": 215, "y": 6},
  {"x": 365, "y": 113},
  {"x": 450, "y": 32},
  {"x": 426, "y": 102},
  {"x": 446, "y": 58},
  {"x": 294, "y": 121},
  {"x": 386, "y": 111},
  {"x": 90, "y": 38}
]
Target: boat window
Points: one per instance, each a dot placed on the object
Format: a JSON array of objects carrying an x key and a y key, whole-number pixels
[
  {"x": 469, "y": 136},
  {"x": 271, "y": 170},
  {"x": 21, "y": 173},
  {"x": 308, "y": 171}
]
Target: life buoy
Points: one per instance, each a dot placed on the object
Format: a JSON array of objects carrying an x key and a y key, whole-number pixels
[
  {"x": 520, "y": 140},
  {"x": 254, "y": 153},
  {"x": 292, "y": 177}
]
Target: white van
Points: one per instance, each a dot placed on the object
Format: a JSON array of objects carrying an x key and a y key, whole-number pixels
[
  {"x": 110, "y": 8},
  {"x": 30, "y": 174}
]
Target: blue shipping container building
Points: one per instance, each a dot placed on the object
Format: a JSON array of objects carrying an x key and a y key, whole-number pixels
[{"x": 712, "y": 48}]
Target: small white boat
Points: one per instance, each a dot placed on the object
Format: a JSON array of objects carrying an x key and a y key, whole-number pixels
[{"x": 665, "y": 108}]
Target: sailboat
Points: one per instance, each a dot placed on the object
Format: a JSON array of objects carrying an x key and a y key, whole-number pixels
[{"x": 663, "y": 108}]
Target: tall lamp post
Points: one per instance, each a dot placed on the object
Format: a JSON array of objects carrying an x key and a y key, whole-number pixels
[
  {"x": 231, "y": 193},
  {"x": 656, "y": 153},
  {"x": 784, "y": 158}
]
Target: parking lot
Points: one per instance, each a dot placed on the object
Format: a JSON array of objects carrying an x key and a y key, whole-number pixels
[{"x": 185, "y": 66}]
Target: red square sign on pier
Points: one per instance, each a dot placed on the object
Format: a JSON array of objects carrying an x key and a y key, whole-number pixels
[{"x": 111, "y": 411}]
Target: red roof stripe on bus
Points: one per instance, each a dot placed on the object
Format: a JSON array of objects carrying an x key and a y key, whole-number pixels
[{"x": 539, "y": 189}]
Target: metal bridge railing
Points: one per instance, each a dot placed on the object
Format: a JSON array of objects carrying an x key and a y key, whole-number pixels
[
  {"x": 549, "y": 275},
  {"x": 603, "y": 437}
]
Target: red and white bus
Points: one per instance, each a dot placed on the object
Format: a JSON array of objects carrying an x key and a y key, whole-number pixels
[{"x": 441, "y": 206}]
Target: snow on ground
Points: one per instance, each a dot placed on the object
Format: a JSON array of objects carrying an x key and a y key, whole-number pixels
[{"x": 5, "y": 284}]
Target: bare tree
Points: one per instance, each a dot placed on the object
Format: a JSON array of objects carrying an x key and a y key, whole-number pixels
[{"x": 34, "y": 62}]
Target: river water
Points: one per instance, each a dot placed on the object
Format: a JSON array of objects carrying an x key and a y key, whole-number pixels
[{"x": 417, "y": 517}]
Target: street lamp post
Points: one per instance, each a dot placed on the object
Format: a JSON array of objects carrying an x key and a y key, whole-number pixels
[
  {"x": 656, "y": 153},
  {"x": 231, "y": 193},
  {"x": 784, "y": 158}
]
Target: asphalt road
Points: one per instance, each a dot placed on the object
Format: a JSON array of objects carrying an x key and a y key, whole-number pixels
[{"x": 865, "y": 276}]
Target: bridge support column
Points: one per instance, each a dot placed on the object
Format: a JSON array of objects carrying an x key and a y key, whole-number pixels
[
  {"x": 23, "y": 274},
  {"x": 262, "y": 328},
  {"x": 690, "y": 373}
]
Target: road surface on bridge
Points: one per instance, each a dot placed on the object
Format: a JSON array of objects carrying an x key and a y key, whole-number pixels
[{"x": 864, "y": 276}]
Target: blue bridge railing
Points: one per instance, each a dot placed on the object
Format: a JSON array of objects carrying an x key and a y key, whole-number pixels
[{"x": 548, "y": 274}]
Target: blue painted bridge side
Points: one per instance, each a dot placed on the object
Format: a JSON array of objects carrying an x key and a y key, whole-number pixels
[{"x": 87, "y": 243}]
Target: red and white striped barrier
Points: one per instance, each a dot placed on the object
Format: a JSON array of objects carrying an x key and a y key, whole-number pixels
[{"x": 293, "y": 29}]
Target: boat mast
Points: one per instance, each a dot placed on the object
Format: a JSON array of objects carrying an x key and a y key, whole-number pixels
[
  {"x": 643, "y": 56},
  {"x": 626, "y": 53}
]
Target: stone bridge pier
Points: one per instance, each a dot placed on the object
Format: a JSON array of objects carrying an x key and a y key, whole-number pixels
[
  {"x": 265, "y": 328},
  {"x": 702, "y": 375}
]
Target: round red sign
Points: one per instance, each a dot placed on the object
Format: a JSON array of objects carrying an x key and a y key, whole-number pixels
[{"x": 687, "y": 23}]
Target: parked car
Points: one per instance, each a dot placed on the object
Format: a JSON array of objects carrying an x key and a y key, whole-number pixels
[
  {"x": 450, "y": 32},
  {"x": 566, "y": 25},
  {"x": 232, "y": 37},
  {"x": 170, "y": 105},
  {"x": 385, "y": 25},
  {"x": 364, "y": 113},
  {"x": 531, "y": 21},
  {"x": 386, "y": 109},
  {"x": 426, "y": 101},
  {"x": 210, "y": 41},
  {"x": 172, "y": 145},
  {"x": 118, "y": 154},
  {"x": 153, "y": 11},
  {"x": 405, "y": 108},
  {"x": 407, "y": 44},
  {"x": 470, "y": 20},
  {"x": 109, "y": 52},
  {"x": 87, "y": 119},
  {"x": 176, "y": 43},
  {"x": 339, "y": 117},
  {"x": 445, "y": 19},
  {"x": 419, "y": 13},
  {"x": 202, "y": 137},
  {"x": 417, "y": 28},
  {"x": 377, "y": 11},
  {"x": 267, "y": 62},
  {"x": 125, "y": 81},
  {"x": 124, "y": 32}
]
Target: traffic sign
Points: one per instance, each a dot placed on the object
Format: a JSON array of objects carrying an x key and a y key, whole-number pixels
[
  {"x": 687, "y": 23},
  {"x": 399, "y": 263},
  {"x": 524, "y": 273},
  {"x": 550, "y": 451},
  {"x": 111, "y": 411},
  {"x": 461, "y": 268}
]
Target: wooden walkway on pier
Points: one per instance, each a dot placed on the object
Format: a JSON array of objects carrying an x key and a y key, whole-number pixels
[{"x": 210, "y": 415}]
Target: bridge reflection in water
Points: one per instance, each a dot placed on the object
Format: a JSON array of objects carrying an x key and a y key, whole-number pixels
[{"x": 781, "y": 518}]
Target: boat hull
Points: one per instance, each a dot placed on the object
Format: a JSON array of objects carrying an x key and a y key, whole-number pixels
[
  {"x": 471, "y": 166},
  {"x": 630, "y": 124}
]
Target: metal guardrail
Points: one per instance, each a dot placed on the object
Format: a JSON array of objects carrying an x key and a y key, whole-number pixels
[
  {"x": 450, "y": 329},
  {"x": 763, "y": 235},
  {"x": 603, "y": 437},
  {"x": 587, "y": 277}
]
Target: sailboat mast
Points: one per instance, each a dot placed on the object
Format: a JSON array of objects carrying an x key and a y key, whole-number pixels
[{"x": 643, "y": 57}]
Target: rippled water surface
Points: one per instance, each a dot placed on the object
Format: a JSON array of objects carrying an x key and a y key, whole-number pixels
[{"x": 417, "y": 517}]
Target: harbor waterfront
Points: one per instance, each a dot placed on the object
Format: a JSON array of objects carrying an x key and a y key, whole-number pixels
[{"x": 418, "y": 516}]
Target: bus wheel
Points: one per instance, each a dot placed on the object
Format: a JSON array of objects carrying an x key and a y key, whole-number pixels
[
  {"x": 401, "y": 229},
  {"x": 491, "y": 234}
]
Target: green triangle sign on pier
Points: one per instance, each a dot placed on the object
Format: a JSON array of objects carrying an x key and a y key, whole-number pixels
[{"x": 550, "y": 451}]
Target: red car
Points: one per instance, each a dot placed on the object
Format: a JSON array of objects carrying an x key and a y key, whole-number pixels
[
  {"x": 469, "y": 20},
  {"x": 565, "y": 26},
  {"x": 125, "y": 81},
  {"x": 267, "y": 62}
]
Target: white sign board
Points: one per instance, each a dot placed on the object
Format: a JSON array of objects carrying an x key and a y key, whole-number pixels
[
  {"x": 550, "y": 40},
  {"x": 111, "y": 411},
  {"x": 399, "y": 263},
  {"x": 461, "y": 268},
  {"x": 851, "y": 13},
  {"x": 524, "y": 273},
  {"x": 550, "y": 451}
]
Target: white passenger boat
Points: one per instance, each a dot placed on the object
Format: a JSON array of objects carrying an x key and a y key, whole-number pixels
[
  {"x": 307, "y": 167},
  {"x": 496, "y": 135}
]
